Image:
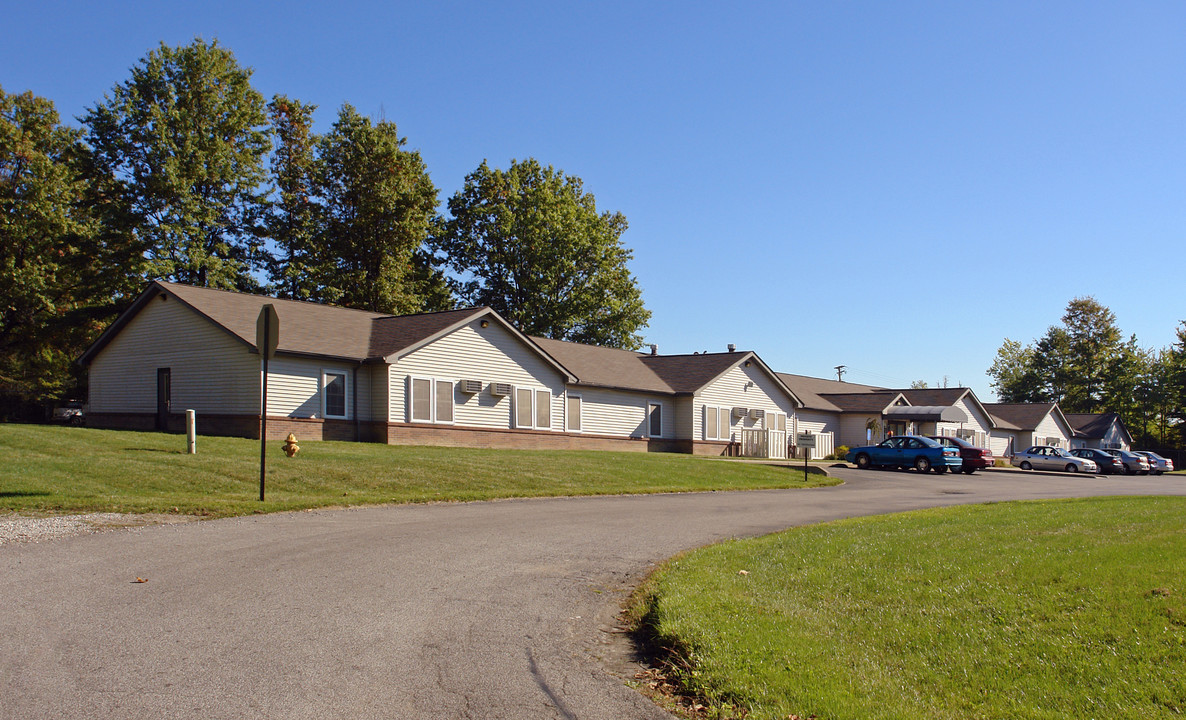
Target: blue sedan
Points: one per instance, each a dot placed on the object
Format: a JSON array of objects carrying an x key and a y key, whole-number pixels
[{"x": 906, "y": 451}]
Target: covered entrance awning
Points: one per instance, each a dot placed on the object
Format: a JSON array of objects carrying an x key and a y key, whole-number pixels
[{"x": 927, "y": 413}]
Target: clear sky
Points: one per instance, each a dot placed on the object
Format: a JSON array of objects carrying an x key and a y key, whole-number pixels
[{"x": 891, "y": 186}]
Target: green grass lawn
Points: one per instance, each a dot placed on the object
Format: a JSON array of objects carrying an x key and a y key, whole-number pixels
[
  {"x": 1060, "y": 609},
  {"x": 48, "y": 469}
]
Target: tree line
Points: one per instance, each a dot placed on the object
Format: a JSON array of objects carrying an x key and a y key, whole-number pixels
[
  {"x": 1086, "y": 365},
  {"x": 185, "y": 173}
]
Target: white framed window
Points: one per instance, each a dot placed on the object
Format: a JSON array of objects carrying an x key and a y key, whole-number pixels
[
  {"x": 333, "y": 394},
  {"x": 430, "y": 400},
  {"x": 717, "y": 422},
  {"x": 776, "y": 421},
  {"x": 654, "y": 420},
  {"x": 533, "y": 408},
  {"x": 574, "y": 413}
]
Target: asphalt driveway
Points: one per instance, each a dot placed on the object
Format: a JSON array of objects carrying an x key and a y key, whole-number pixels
[{"x": 480, "y": 610}]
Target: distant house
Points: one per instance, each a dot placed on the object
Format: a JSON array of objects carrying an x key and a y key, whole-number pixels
[
  {"x": 859, "y": 414},
  {"x": 1022, "y": 425},
  {"x": 1099, "y": 430},
  {"x": 463, "y": 377}
]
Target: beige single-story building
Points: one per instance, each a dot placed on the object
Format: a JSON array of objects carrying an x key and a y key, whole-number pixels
[{"x": 462, "y": 377}]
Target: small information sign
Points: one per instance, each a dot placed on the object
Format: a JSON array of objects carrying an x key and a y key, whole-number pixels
[{"x": 805, "y": 440}]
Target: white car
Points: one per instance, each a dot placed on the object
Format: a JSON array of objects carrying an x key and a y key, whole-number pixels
[
  {"x": 1044, "y": 457},
  {"x": 1157, "y": 464}
]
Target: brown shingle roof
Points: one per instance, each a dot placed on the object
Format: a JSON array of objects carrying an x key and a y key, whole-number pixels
[
  {"x": 872, "y": 402},
  {"x": 305, "y": 328},
  {"x": 934, "y": 396},
  {"x": 1022, "y": 416},
  {"x": 391, "y": 334},
  {"x": 1093, "y": 425},
  {"x": 689, "y": 373},
  {"x": 812, "y": 389},
  {"x": 604, "y": 367}
]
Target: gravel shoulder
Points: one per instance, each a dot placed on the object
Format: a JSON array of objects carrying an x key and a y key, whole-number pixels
[{"x": 17, "y": 528}]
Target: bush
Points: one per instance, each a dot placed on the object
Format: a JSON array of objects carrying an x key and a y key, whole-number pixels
[{"x": 839, "y": 453}]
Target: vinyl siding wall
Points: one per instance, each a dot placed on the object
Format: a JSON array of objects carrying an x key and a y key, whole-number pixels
[
  {"x": 210, "y": 371},
  {"x": 294, "y": 388},
  {"x": 733, "y": 390},
  {"x": 977, "y": 423},
  {"x": 816, "y": 422},
  {"x": 620, "y": 413},
  {"x": 999, "y": 443},
  {"x": 491, "y": 355},
  {"x": 852, "y": 429},
  {"x": 1050, "y": 427}
]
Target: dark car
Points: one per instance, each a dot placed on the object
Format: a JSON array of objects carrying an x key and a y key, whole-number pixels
[
  {"x": 975, "y": 458},
  {"x": 1109, "y": 464}
]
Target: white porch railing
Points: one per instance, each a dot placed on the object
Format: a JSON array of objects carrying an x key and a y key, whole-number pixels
[{"x": 764, "y": 444}]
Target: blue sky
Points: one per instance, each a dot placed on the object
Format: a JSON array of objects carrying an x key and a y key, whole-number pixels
[{"x": 895, "y": 187}]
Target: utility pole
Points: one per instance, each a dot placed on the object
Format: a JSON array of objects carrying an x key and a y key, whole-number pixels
[{"x": 840, "y": 370}]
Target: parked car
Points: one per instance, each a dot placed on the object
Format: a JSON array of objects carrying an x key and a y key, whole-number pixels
[
  {"x": 905, "y": 451},
  {"x": 1108, "y": 464},
  {"x": 70, "y": 412},
  {"x": 1133, "y": 464},
  {"x": 1044, "y": 457},
  {"x": 974, "y": 458},
  {"x": 1157, "y": 463}
]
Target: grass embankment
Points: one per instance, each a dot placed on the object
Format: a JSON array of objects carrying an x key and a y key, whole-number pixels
[
  {"x": 1062, "y": 609},
  {"x": 59, "y": 469}
]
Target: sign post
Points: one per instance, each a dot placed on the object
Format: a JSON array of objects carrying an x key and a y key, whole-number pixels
[
  {"x": 806, "y": 441},
  {"x": 267, "y": 337}
]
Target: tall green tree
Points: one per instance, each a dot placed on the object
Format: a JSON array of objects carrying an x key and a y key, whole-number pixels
[
  {"x": 53, "y": 269},
  {"x": 1094, "y": 347},
  {"x": 182, "y": 144},
  {"x": 378, "y": 209},
  {"x": 1174, "y": 374},
  {"x": 294, "y": 219},
  {"x": 529, "y": 242},
  {"x": 1014, "y": 374}
]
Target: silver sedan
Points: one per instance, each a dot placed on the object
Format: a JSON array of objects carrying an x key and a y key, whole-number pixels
[{"x": 1044, "y": 457}]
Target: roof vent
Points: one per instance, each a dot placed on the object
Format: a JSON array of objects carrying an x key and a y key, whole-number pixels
[
  {"x": 654, "y": 349},
  {"x": 732, "y": 347}
]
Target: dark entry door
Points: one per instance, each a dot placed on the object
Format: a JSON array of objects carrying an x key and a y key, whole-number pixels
[{"x": 164, "y": 390}]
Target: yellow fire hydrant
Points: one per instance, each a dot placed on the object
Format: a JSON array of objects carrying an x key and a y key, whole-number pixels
[{"x": 290, "y": 445}]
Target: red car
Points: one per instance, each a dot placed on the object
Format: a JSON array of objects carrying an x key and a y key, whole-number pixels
[{"x": 975, "y": 458}]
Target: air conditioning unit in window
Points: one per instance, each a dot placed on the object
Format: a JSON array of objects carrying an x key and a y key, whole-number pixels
[
  {"x": 501, "y": 389},
  {"x": 757, "y": 414},
  {"x": 739, "y": 412},
  {"x": 469, "y": 387}
]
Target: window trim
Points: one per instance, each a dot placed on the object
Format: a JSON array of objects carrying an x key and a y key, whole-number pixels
[
  {"x": 771, "y": 420},
  {"x": 568, "y": 398},
  {"x": 536, "y": 391},
  {"x": 650, "y": 433},
  {"x": 726, "y": 424},
  {"x": 433, "y": 383},
  {"x": 345, "y": 375}
]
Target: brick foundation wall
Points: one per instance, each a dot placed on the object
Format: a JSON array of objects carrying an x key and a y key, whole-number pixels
[
  {"x": 308, "y": 429},
  {"x": 716, "y": 448},
  {"x": 407, "y": 434}
]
